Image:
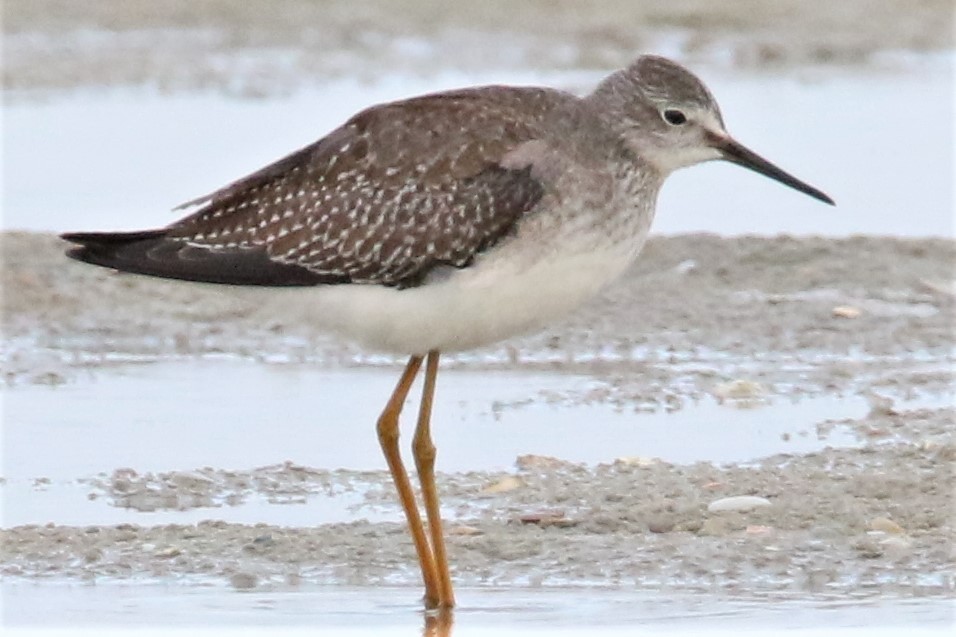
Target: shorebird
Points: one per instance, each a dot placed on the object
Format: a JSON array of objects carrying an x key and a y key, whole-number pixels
[{"x": 447, "y": 222}]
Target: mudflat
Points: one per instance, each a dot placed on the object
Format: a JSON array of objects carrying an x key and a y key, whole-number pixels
[{"x": 698, "y": 318}]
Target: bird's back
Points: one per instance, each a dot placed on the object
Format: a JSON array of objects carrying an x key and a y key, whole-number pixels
[{"x": 399, "y": 189}]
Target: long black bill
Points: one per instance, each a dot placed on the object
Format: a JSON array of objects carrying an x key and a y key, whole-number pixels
[{"x": 739, "y": 154}]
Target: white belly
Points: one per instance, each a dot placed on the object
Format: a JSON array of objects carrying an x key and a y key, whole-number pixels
[{"x": 488, "y": 302}]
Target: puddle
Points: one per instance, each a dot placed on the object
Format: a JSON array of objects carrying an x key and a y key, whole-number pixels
[
  {"x": 181, "y": 416},
  {"x": 505, "y": 611},
  {"x": 153, "y": 152}
]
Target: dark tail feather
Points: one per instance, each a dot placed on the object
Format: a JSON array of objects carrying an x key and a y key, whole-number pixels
[
  {"x": 125, "y": 251},
  {"x": 111, "y": 238},
  {"x": 154, "y": 253}
]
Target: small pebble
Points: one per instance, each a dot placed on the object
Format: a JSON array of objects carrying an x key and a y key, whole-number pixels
[
  {"x": 661, "y": 525},
  {"x": 886, "y": 525},
  {"x": 190, "y": 480},
  {"x": 739, "y": 503},
  {"x": 508, "y": 483},
  {"x": 530, "y": 461},
  {"x": 169, "y": 551},
  {"x": 740, "y": 391},
  {"x": 463, "y": 529},
  {"x": 243, "y": 581},
  {"x": 869, "y": 549},
  {"x": 758, "y": 530},
  {"x": 547, "y": 518},
  {"x": 637, "y": 461},
  {"x": 846, "y": 312}
]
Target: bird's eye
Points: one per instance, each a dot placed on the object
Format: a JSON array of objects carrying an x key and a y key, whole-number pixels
[{"x": 674, "y": 117}]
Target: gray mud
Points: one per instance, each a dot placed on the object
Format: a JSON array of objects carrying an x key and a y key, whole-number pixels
[{"x": 738, "y": 318}]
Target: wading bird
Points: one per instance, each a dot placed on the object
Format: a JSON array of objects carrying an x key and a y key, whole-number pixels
[{"x": 447, "y": 222}]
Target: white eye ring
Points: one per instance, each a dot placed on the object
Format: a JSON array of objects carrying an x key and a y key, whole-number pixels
[{"x": 674, "y": 117}]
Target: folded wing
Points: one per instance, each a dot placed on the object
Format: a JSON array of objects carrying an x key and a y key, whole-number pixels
[{"x": 398, "y": 190}]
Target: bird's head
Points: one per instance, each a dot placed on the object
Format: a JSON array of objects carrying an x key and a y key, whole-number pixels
[{"x": 670, "y": 119}]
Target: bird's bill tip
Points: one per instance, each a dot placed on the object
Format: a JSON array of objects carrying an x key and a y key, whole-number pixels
[{"x": 735, "y": 152}]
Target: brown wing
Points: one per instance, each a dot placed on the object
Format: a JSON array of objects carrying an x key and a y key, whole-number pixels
[{"x": 399, "y": 189}]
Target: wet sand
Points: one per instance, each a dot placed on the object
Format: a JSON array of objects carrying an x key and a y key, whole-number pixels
[
  {"x": 732, "y": 319},
  {"x": 252, "y": 50},
  {"x": 853, "y": 523}
]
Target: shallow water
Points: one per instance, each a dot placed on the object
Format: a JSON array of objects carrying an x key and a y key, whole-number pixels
[
  {"x": 853, "y": 136},
  {"x": 181, "y": 416},
  {"x": 504, "y": 611}
]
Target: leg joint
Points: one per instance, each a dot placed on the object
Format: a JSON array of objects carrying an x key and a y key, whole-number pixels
[
  {"x": 423, "y": 447},
  {"x": 387, "y": 428}
]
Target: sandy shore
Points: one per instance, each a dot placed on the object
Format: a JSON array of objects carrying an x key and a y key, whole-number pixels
[
  {"x": 736, "y": 318},
  {"x": 252, "y": 50}
]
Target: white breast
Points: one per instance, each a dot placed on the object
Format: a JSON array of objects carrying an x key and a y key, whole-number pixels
[{"x": 493, "y": 300}]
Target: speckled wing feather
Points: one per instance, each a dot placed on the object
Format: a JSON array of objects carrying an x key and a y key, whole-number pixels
[{"x": 397, "y": 190}]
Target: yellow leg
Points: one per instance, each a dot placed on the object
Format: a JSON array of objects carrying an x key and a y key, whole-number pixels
[
  {"x": 424, "y": 452},
  {"x": 388, "y": 438},
  {"x": 439, "y": 623}
]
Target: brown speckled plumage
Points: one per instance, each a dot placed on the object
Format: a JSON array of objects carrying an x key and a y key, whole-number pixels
[{"x": 397, "y": 190}]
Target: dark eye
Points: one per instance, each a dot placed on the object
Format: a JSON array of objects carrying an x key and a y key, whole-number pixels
[{"x": 674, "y": 117}]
